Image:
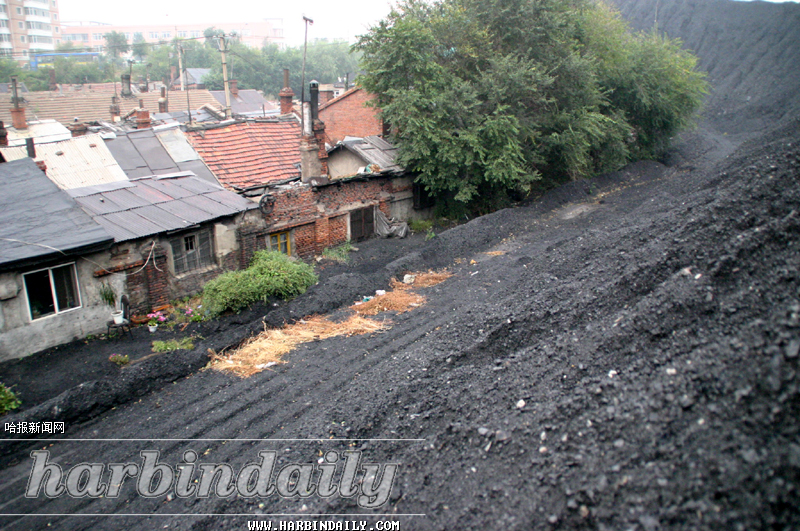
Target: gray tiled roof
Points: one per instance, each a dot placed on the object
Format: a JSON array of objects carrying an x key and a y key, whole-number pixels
[
  {"x": 147, "y": 152},
  {"x": 38, "y": 221},
  {"x": 373, "y": 150},
  {"x": 151, "y": 205}
]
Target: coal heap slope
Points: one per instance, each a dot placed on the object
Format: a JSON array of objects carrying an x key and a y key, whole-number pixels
[{"x": 749, "y": 49}]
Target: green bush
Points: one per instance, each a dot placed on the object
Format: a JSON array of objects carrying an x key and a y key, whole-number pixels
[
  {"x": 171, "y": 345},
  {"x": 119, "y": 359},
  {"x": 271, "y": 274},
  {"x": 8, "y": 400},
  {"x": 420, "y": 225},
  {"x": 340, "y": 253}
]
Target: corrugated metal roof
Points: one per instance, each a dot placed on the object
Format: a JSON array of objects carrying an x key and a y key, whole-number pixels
[
  {"x": 144, "y": 153},
  {"x": 170, "y": 203},
  {"x": 74, "y": 163},
  {"x": 43, "y": 220},
  {"x": 373, "y": 150},
  {"x": 42, "y": 132},
  {"x": 176, "y": 144}
]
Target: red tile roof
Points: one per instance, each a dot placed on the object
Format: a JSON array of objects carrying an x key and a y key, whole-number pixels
[{"x": 248, "y": 154}]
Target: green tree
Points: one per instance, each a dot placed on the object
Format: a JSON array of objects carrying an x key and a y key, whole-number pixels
[
  {"x": 140, "y": 48},
  {"x": 116, "y": 44},
  {"x": 488, "y": 97}
]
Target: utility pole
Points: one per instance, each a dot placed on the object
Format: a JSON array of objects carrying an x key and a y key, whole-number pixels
[
  {"x": 180, "y": 64},
  {"x": 223, "y": 47},
  {"x": 307, "y": 21},
  {"x": 188, "y": 103}
]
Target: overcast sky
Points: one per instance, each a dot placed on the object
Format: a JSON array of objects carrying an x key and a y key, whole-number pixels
[{"x": 332, "y": 20}]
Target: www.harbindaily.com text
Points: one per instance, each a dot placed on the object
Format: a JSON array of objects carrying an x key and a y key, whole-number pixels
[{"x": 336, "y": 473}]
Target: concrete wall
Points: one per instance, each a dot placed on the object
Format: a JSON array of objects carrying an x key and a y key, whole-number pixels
[
  {"x": 21, "y": 336},
  {"x": 343, "y": 163},
  {"x": 141, "y": 269}
]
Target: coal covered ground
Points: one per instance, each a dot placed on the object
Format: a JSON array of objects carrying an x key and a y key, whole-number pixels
[{"x": 649, "y": 319}]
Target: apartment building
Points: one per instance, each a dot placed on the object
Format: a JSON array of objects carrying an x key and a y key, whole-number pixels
[
  {"x": 28, "y": 27},
  {"x": 90, "y": 35}
]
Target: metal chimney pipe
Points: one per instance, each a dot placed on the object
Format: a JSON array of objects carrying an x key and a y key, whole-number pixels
[{"x": 314, "y": 94}]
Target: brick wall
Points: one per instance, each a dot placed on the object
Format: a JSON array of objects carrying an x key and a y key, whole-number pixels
[
  {"x": 348, "y": 115},
  {"x": 337, "y": 229},
  {"x": 305, "y": 241}
]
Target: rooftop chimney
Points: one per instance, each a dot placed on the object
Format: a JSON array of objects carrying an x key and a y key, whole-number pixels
[
  {"x": 17, "y": 112},
  {"x": 77, "y": 128},
  {"x": 3, "y": 135},
  {"x": 163, "y": 103},
  {"x": 126, "y": 85},
  {"x": 30, "y": 148},
  {"x": 314, "y": 95},
  {"x": 234, "y": 87},
  {"x": 313, "y": 155},
  {"x": 286, "y": 94},
  {"x": 114, "y": 109},
  {"x": 142, "y": 116}
]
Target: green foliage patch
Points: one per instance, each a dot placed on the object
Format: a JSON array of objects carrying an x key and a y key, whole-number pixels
[
  {"x": 171, "y": 345},
  {"x": 8, "y": 400},
  {"x": 490, "y": 99},
  {"x": 271, "y": 274},
  {"x": 340, "y": 253}
]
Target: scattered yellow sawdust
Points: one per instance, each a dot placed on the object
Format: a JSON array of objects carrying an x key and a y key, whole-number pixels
[
  {"x": 495, "y": 253},
  {"x": 431, "y": 278},
  {"x": 269, "y": 347},
  {"x": 399, "y": 300}
]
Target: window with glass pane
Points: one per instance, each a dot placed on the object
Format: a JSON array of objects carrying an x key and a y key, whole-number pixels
[
  {"x": 280, "y": 242},
  {"x": 192, "y": 251},
  {"x": 52, "y": 291}
]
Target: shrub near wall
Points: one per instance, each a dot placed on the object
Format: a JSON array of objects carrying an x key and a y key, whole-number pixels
[{"x": 271, "y": 274}]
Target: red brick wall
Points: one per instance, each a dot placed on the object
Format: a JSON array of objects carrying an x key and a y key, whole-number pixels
[
  {"x": 305, "y": 241},
  {"x": 337, "y": 230},
  {"x": 319, "y": 217},
  {"x": 348, "y": 115}
]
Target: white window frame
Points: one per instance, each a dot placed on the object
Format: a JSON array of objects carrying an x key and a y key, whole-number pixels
[{"x": 53, "y": 291}]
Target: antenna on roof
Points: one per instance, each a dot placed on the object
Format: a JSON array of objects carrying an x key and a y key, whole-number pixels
[{"x": 307, "y": 21}]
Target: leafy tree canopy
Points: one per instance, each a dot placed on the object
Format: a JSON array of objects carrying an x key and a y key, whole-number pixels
[{"x": 490, "y": 96}]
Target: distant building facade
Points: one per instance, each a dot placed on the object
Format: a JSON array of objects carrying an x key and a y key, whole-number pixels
[
  {"x": 29, "y": 27},
  {"x": 91, "y": 35}
]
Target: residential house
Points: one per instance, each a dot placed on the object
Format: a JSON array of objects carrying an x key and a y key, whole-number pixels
[
  {"x": 327, "y": 205},
  {"x": 48, "y": 245},
  {"x": 246, "y": 103},
  {"x": 192, "y": 79},
  {"x": 246, "y": 156},
  {"x": 94, "y": 106},
  {"x": 155, "y": 151},
  {"x": 41, "y": 131},
  {"x": 72, "y": 163},
  {"x": 350, "y": 115},
  {"x": 172, "y": 234}
]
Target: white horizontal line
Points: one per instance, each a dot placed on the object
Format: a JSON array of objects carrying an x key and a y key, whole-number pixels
[
  {"x": 243, "y": 440},
  {"x": 248, "y": 515}
]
